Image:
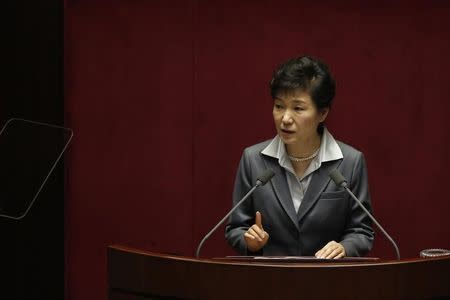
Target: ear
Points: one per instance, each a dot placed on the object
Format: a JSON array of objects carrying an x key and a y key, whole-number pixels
[{"x": 323, "y": 113}]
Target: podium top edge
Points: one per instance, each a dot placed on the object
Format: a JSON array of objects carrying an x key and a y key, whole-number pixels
[{"x": 287, "y": 261}]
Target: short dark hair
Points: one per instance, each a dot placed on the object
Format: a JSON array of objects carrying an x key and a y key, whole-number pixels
[{"x": 307, "y": 74}]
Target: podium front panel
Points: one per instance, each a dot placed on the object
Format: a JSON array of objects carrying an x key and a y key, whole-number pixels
[{"x": 136, "y": 275}]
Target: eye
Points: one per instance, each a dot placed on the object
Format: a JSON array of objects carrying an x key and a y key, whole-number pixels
[
  {"x": 278, "y": 106},
  {"x": 298, "y": 108}
]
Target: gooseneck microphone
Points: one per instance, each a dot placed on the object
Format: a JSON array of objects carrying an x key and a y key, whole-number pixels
[
  {"x": 340, "y": 180},
  {"x": 260, "y": 181}
]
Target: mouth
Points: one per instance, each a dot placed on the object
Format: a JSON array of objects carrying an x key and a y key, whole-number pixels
[{"x": 287, "y": 131}]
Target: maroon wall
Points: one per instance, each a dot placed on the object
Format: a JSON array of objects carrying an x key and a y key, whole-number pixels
[{"x": 164, "y": 95}]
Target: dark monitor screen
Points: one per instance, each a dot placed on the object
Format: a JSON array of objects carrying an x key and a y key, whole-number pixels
[{"x": 29, "y": 151}]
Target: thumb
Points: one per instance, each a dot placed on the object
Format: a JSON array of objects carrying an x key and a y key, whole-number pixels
[{"x": 258, "y": 220}]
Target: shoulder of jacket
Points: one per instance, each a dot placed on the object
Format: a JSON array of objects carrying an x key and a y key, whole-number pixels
[
  {"x": 257, "y": 148},
  {"x": 349, "y": 151}
]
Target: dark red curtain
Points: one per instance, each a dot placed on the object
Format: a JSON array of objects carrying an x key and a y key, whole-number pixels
[{"x": 164, "y": 95}]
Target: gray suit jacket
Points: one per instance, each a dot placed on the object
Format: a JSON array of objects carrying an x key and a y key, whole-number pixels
[{"x": 326, "y": 213}]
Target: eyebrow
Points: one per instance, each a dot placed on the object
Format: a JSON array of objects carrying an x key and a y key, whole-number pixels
[
  {"x": 294, "y": 100},
  {"x": 299, "y": 101}
]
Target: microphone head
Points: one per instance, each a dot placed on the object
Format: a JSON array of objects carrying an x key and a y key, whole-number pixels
[
  {"x": 264, "y": 177},
  {"x": 338, "y": 179}
]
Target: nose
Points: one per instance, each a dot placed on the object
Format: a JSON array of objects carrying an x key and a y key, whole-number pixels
[{"x": 286, "y": 119}]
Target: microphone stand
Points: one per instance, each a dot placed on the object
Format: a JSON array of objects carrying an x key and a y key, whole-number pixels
[
  {"x": 258, "y": 183},
  {"x": 397, "y": 252}
]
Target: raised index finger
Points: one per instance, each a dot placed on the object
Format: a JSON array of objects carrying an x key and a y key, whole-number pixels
[{"x": 258, "y": 220}]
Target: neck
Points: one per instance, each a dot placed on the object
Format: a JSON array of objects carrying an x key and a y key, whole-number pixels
[{"x": 305, "y": 147}]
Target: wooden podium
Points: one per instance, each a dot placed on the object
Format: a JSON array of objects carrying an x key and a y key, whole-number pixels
[{"x": 135, "y": 274}]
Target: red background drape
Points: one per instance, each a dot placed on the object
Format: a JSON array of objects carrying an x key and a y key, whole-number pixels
[{"x": 164, "y": 95}]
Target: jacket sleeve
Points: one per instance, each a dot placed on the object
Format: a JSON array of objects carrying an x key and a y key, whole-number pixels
[
  {"x": 244, "y": 216},
  {"x": 358, "y": 235}
]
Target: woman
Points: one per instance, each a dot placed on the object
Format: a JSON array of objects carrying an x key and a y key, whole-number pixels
[{"x": 301, "y": 211}]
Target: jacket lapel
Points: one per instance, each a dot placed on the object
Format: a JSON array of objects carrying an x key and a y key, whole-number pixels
[
  {"x": 319, "y": 181},
  {"x": 281, "y": 188}
]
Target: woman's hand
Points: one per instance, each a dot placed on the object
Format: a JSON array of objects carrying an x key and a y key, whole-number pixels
[
  {"x": 255, "y": 236},
  {"x": 331, "y": 250}
]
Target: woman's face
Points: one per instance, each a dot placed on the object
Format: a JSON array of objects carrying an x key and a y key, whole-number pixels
[{"x": 296, "y": 117}]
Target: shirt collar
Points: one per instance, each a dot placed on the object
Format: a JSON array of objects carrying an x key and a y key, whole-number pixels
[{"x": 329, "y": 149}]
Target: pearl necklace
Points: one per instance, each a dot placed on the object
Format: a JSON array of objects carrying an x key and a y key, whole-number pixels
[{"x": 300, "y": 159}]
